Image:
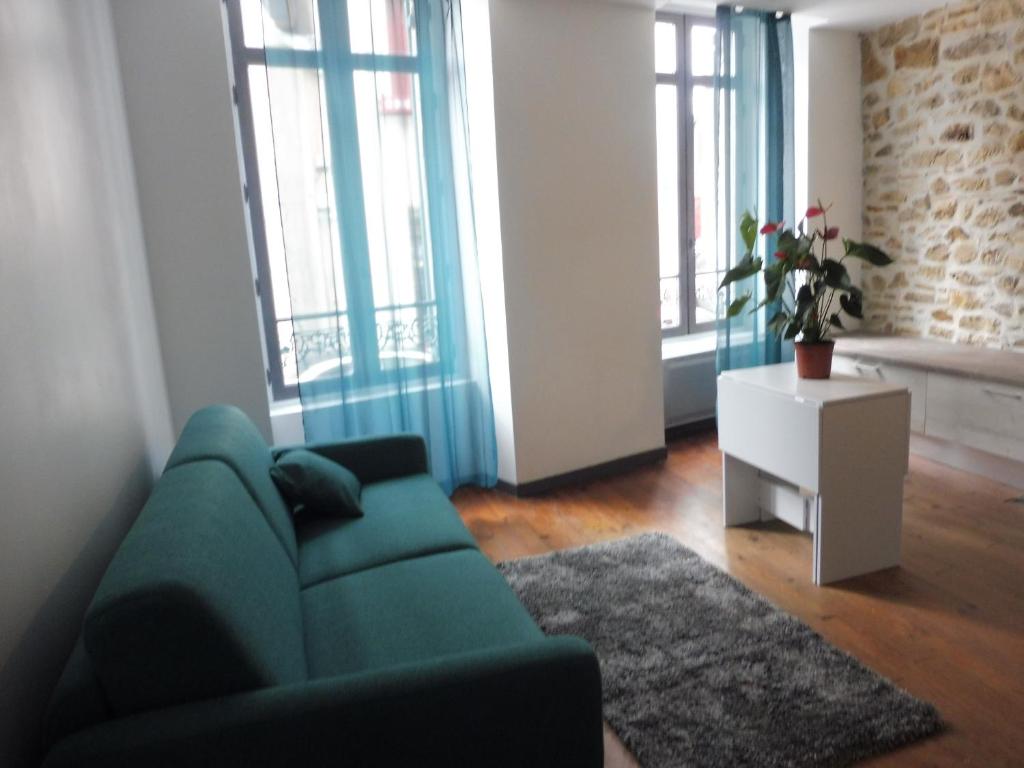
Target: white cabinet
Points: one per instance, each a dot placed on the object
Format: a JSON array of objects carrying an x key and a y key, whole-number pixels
[
  {"x": 986, "y": 416},
  {"x": 914, "y": 380},
  {"x": 825, "y": 456},
  {"x": 983, "y": 415}
]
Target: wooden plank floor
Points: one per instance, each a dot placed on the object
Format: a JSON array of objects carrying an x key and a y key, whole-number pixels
[{"x": 948, "y": 625}]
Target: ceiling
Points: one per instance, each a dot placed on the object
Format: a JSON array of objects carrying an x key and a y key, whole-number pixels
[{"x": 844, "y": 14}]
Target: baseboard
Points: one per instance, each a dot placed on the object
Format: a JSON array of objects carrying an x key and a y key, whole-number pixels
[
  {"x": 998, "y": 468},
  {"x": 679, "y": 431},
  {"x": 584, "y": 475}
]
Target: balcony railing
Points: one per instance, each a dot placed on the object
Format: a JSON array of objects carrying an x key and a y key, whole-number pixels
[{"x": 317, "y": 345}]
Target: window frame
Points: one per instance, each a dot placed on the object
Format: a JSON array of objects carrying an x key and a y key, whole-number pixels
[
  {"x": 369, "y": 372},
  {"x": 684, "y": 81}
]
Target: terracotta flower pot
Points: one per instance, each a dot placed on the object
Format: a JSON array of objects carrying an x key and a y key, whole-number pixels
[{"x": 814, "y": 359}]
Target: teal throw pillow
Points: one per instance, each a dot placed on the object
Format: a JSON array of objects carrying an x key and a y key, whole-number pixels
[{"x": 313, "y": 485}]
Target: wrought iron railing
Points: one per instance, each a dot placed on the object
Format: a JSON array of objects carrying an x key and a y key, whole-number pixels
[{"x": 404, "y": 331}]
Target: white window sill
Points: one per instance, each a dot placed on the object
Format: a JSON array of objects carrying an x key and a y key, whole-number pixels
[{"x": 692, "y": 345}]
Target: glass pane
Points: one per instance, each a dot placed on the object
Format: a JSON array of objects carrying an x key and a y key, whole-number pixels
[
  {"x": 670, "y": 303},
  {"x": 303, "y": 246},
  {"x": 668, "y": 179},
  {"x": 702, "y": 50},
  {"x": 704, "y": 235},
  {"x": 407, "y": 336},
  {"x": 384, "y": 27},
  {"x": 664, "y": 48},
  {"x": 706, "y": 290},
  {"x": 391, "y": 155},
  {"x": 315, "y": 348},
  {"x": 279, "y": 23}
]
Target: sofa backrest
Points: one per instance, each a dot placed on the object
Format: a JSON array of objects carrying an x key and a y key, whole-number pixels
[
  {"x": 199, "y": 601},
  {"x": 225, "y": 433}
]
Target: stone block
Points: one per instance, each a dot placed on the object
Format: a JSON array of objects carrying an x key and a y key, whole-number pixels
[
  {"x": 999, "y": 77},
  {"x": 923, "y": 54},
  {"x": 976, "y": 45},
  {"x": 959, "y": 132},
  {"x": 871, "y": 67},
  {"x": 895, "y": 33}
]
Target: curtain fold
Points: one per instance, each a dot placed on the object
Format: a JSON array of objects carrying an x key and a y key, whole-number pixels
[
  {"x": 754, "y": 168},
  {"x": 371, "y": 167}
]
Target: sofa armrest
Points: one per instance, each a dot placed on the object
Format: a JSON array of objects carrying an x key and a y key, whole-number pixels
[
  {"x": 536, "y": 704},
  {"x": 373, "y": 459}
]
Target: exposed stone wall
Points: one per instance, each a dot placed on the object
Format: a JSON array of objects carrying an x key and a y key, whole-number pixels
[{"x": 943, "y": 110}]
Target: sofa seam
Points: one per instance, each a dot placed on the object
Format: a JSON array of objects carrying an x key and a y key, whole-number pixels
[{"x": 417, "y": 556}]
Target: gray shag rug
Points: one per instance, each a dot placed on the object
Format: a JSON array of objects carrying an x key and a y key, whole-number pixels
[{"x": 697, "y": 670}]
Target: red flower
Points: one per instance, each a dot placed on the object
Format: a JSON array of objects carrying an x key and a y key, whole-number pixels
[
  {"x": 814, "y": 211},
  {"x": 770, "y": 228},
  {"x": 832, "y": 233},
  {"x": 780, "y": 255}
]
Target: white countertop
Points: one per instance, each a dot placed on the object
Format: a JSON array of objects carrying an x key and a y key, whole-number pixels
[
  {"x": 997, "y": 365},
  {"x": 783, "y": 380}
]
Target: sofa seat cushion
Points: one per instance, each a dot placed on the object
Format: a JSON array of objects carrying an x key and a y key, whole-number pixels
[
  {"x": 410, "y": 611},
  {"x": 402, "y": 518}
]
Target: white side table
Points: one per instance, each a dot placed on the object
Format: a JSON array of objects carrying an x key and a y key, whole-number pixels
[{"x": 825, "y": 456}]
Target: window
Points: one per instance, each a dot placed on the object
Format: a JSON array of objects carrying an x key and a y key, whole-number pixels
[
  {"x": 355, "y": 298},
  {"x": 684, "y": 62}
]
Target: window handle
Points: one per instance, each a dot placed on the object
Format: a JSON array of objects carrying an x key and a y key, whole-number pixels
[{"x": 873, "y": 368}]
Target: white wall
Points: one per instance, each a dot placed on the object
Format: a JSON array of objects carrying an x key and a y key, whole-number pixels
[
  {"x": 84, "y": 421},
  {"x": 574, "y": 123},
  {"x": 178, "y": 94},
  {"x": 834, "y": 139},
  {"x": 480, "y": 95}
]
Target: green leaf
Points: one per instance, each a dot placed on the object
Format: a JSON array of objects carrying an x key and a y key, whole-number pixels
[
  {"x": 835, "y": 275},
  {"x": 775, "y": 281},
  {"x": 836, "y": 321},
  {"x": 737, "y": 306},
  {"x": 804, "y": 297},
  {"x": 851, "y": 305},
  {"x": 809, "y": 263},
  {"x": 792, "y": 330},
  {"x": 869, "y": 253},
  {"x": 805, "y": 245},
  {"x": 805, "y": 301},
  {"x": 778, "y": 323},
  {"x": 747, "y": 267},
  {"x": 748, "y": 231}
]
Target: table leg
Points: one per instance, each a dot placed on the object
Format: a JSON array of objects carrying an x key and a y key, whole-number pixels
[
  {"x": 857, "y": 533},
  {"x": 740, "y": 487}
]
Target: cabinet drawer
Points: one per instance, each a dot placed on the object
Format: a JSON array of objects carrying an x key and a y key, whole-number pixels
[
  {"x": 986, "y": 416},
  {"x": 914, "y": 380}
]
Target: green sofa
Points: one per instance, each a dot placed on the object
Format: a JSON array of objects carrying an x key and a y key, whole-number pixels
[{"x": 224, "y": 634}]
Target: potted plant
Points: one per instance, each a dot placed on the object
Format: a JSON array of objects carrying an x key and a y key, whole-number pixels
[{"x": 803, "y": 307}]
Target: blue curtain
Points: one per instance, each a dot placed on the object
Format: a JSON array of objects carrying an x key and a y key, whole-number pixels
[
  {"x": 372, "y": 177},
  {"x": 754, "y": 165}
]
